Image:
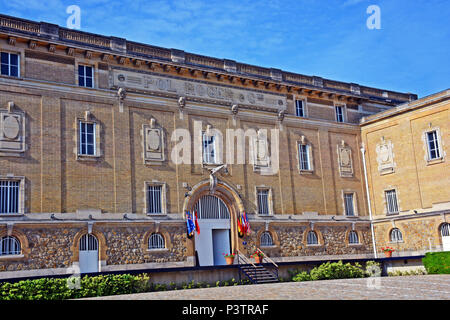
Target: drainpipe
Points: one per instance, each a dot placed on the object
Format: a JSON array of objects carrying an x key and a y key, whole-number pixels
[{"x": 363, "y": 151}]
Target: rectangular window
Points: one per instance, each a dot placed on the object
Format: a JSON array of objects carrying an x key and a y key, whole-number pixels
[
  {"x": 339, "y": 113},
  {"x": 299, "y": 108},
  {"x": 391, "y": 201},
  {"x": 87, "y": 139},
  {"x": 154, "y": 199},
  {"x": 9, "y": 196},
  {"x": 9, "y": 64},
  {"x": 209, "y": 149},
  {"x": 433, "y": 145},
  {"x": 263, "y": 201},
  {"x": 303, "y": 151},
  {"x": 85, "y": 76},
  {"x": 349, "y": 204}
]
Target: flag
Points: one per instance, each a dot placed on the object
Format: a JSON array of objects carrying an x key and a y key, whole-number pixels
[
  {"x": 197, "y": 227},
  {"x": 190, "y": 225},
  {"x": 246, "y": 223},
  {"x": 240, "y": 227}
]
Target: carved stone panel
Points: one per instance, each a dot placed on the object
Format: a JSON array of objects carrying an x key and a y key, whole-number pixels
[
  {"x": 345, "y": 161},
  {"x": 385, "y": 157},
  {"x": 12, "y": 133},
  {"x": 261, "y": 151},
  {"x": 153, "y": 140}
]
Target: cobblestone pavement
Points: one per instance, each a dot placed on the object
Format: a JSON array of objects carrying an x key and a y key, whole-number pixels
[{"x": 429, "y": 287}]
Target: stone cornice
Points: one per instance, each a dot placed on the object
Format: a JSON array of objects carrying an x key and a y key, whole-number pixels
[{"x": 49, "y": 34}]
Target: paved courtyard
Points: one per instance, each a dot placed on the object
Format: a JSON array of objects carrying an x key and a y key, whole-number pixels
[{"x": 434, "y": 287}]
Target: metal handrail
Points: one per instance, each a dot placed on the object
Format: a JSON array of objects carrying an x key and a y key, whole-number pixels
[
  {"x": 266, "y": 257},
  {"x": 246, "y": 260}
]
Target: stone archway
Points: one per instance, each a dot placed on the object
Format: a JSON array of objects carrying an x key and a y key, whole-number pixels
[{"x": 230, "y": 198}]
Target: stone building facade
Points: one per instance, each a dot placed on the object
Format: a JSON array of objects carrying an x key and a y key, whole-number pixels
[{"x": 106, "y": 143}]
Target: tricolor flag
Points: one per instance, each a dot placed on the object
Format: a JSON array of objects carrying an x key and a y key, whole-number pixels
[
  {"x": 197, "y": 227},
  {"x": 190, "y": 225}
]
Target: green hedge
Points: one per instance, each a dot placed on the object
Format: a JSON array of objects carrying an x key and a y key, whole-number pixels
[
  {"x": 437, "y": 262},
  {"x": 333, "y": 270},
  {"x": 94, "y": 286}
]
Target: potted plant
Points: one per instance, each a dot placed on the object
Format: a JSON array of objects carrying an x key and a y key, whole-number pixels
[
  {"x": 387, "y": 251},
  {"x": 229, "y": 257},
  {"x": 258, "y": 256}
]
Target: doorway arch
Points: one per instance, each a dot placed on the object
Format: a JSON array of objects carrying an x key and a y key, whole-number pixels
[{"x": 216, "y": 211}]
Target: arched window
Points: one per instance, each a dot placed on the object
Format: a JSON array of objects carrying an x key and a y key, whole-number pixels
[
  {"x": 396, "y": 235},
  {"x": 266, "y": 239},
  {"x": 156, "y": 241},
  {"x": 88, "y": 242},
  {"x": 445, "y": 230},
  {"x": 9, "y": 246},
  {"x": 312, "y": 238},
  {"x": 353, "y": 237}
]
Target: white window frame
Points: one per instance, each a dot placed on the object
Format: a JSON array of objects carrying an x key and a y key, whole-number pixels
[
  {"x": 259, "y": 205},
  {"x": 303, "y": 108},
  {"x": 94, "y": 133},
  {"x": 19, "y": 197},
  {"x": 5, "y": 247},
  {"x": 9, "y": 64},
  {"x": 308, "y": 155},
  {"x": 342, "y": 115},
  {"x": 391, "y": 202},
  {"x": 84, "y": 76},
  {"x": 156, "y": 241},
  {"x": 206, "y": 156},
  {"x": 347, "y": 212},
  {"x": 437, "y": 142}
]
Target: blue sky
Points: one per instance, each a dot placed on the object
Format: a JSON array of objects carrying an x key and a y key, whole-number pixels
[{"x": 327, "y": 38}]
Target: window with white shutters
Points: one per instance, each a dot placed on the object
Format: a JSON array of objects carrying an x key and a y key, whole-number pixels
[{"x": 209, "y": 149}]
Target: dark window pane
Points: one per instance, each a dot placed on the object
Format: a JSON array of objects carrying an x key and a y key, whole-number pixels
[
  {"x": 88, "y": 72},
  {"x": 90, "y": 128},
  {"x": 83, "y": 138},
  {"x": 90, "y": 138},
  {"x": 90, "y": 149},
  {"x": 14, "y": 59},
  {"x": 81, "y": 81},
  {"x": 81, "y": 70},
  {"x": 14, "y": 71},
  {"x": 5, "y": 58},
  {"x": 5, "y": 70},
  {"x": 89, "y": 82}
]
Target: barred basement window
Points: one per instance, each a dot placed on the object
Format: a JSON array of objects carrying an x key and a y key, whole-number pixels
[
  {"x": 266, "y": 239},
  {"x": 303, "y": 151},
  {"x": 154, "y": 198},
  {"x": 353, "y": 237},
  {"x": 349, "y": 204},
  {"x": 445, "y": 230},
  {"x": 9, "y": 196},
  {"x": 87, "y": 138},
  {"x": 391, "y": 201},
  {"x": 10, "y": 64},
  {"x": 433, "y": 145},
  {"x": 85, "y": 76},
  {"x": 339, "y": 113},
  {"x": 263, "y": 201},
  {"x": 300, "y": 108},
  {"x": 312, "y": 238},
  {"x": 396, "y": 235},
  {"x": 156, "y": 241},
  {"x": 9, "y": 246}
]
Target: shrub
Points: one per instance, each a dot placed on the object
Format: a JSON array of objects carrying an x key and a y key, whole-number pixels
[
  {"x": 437, "y": 262},
  {"x": 332, "y": 270},
  {"x": 372, "y": 268}
]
